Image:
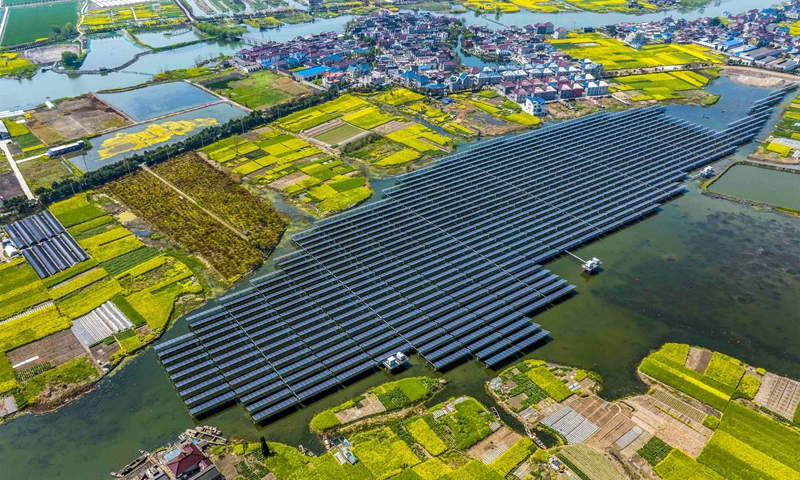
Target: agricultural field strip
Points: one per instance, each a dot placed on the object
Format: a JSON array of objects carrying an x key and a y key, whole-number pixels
[{"x": 679, "y": 405}]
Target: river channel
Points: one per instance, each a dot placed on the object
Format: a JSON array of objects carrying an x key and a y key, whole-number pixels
[{"x": 702, "y": 271}]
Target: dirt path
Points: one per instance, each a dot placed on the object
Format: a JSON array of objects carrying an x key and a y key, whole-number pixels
[
  {"x": 184, "y": 195},
  {"x": 17, "y": 173},
  {"x": 757, "y": 77}
]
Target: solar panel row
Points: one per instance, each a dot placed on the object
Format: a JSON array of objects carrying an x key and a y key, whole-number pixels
[
  {"x": 447, "y": 266},
  {"x": 45, "y": 244}
]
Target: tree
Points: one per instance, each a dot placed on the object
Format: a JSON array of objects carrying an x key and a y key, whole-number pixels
[
  {"x": 69, "y": 28},
  {"x": 56, "y": 29},
  {"x": 69, "y": 59},
  {"x": 264, "y": 447}
]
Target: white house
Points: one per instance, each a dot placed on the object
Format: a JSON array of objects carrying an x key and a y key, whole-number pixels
[{"x": 535, "y": 106}]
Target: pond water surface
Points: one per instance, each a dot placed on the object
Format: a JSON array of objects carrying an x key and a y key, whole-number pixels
[
  {"x": 157, "y": 100},
  {"x": 165, "y": 131},
  {"x": 761, "y": 185}
]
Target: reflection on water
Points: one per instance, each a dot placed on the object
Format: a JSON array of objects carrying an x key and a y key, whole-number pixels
[
  {"x": 109, "y": 52},
  {"x": 157, "y": 100},
  {"x": 167, "y": 38}
]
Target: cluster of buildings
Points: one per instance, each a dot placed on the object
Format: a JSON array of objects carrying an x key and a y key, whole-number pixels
[
  {"x": 759, "y": 38},
  {"x": 418, "y": 51}
]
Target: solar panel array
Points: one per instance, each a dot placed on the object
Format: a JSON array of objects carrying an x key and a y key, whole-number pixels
[
  {"x": 44, "y": 243},
  {"x": 446, "y": 266}
]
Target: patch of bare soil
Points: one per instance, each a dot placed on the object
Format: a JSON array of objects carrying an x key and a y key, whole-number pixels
[
  {"x": 226, "y": 464},
  {"x": 285, "y": 182},
  {"x": 102, "y": 352},
  {"x": 758, "y": 78},
  {"x": 365, "y": 408},
  {"x": 9, "y": 186},
  {"x": 79, "y": 117},
  {"x": 503, "y": 436},
  {"x": 55, "y": 349},
  {"x": 50, "y": 53},
  {"x": 53, "y": 398},
  {"x": 698, "y": 359},
  {"x": 390, "y": 127}
]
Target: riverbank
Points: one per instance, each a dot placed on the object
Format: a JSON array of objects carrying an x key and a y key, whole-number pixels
[{"x": 757, "y": 77}]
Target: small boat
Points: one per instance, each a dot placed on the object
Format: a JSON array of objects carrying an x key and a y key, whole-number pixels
[
  {"x": 724, "y": 111},
  {"x": 705, "y": 116}
]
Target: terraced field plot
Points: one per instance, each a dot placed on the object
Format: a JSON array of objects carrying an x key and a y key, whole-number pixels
[
  {"x": 141, "y": 282},
  {"x": 615, "y": 55},
  {"x": 27, "y": 24}
]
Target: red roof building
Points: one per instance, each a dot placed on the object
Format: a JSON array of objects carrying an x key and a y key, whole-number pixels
[{"x": 190, "y": 460}]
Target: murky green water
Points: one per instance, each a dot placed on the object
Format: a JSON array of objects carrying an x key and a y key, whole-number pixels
[
  {"x": 761, "y": 185},
  {"x": 702, "y": 271}
]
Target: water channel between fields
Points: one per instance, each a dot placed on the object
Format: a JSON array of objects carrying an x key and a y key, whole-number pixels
[{"x": 701, "y": 271}]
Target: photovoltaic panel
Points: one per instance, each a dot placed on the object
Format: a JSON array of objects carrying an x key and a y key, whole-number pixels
[{"x": 447, "y": 265}]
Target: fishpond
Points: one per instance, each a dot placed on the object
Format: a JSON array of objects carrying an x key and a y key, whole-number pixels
[
  {"x": 158, "y": 100},
  {"x": 762, "y": 185}
]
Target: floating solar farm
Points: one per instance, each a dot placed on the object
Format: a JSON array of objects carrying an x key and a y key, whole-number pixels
[
  {"x": 448, "y": 265},
  {"x": 44, "y": 243}
]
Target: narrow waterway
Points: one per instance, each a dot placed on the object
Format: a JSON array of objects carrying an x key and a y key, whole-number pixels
[{"x": 702, "y": 271}]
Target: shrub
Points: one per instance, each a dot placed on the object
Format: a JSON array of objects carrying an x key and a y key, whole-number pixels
[
  {"x": 238, "y": 449},
  {"x": 580, "y": 375},
  {"x": 654, "y": 451},
  {"x": 711, "y": 422},
  {"x": 324, "y": 421},
  {"x": 761, "y": 371}
]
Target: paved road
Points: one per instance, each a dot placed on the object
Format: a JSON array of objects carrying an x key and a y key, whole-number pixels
[{"x": 17, "y": 173}]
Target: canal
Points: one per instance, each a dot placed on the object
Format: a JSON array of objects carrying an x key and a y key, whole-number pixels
[{"x": 702, "y": 271}]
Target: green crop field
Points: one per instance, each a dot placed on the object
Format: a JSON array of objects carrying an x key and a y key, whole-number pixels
[
  {"x": 258, "y": 90},
  {"x": 338, "y": 134},
  {"x": 660, "y": 86},
  {"x": 26, "y": 24},
  {"x": 705, "y": 388},
  {"x": 548, "y": 382},
  {"x": 615, "y": 55},
  {"x": 679, "y": 466}
]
